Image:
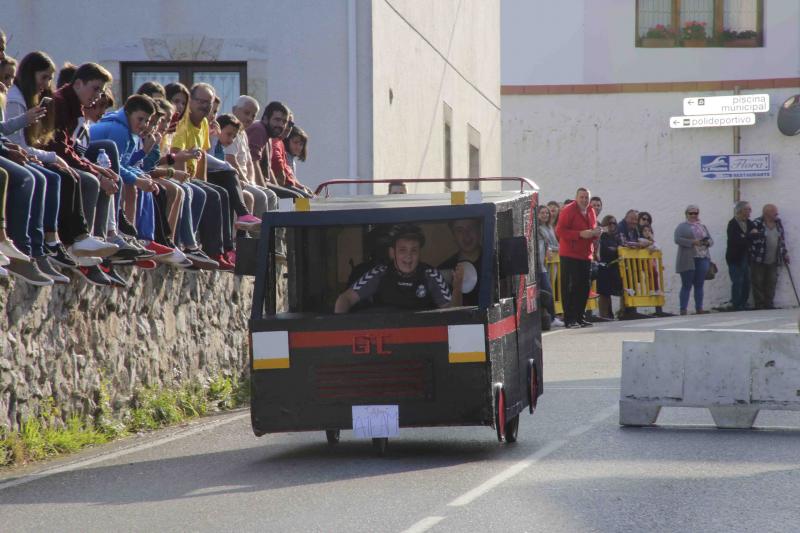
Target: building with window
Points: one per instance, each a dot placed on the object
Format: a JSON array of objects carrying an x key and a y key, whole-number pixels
[
  {"x": 384, "y": 88},
  {"x": 588, "y": 92}
]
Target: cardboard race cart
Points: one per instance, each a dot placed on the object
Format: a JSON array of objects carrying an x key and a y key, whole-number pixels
[{"x": 376, "y": 370}]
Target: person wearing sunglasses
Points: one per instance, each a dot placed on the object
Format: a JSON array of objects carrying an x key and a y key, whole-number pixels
[
  {"x": 693, "y": 240},
  {"x": 609, "y": 282}
]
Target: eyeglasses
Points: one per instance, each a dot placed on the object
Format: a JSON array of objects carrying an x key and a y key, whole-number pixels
[{"x": 693, "y": 213}]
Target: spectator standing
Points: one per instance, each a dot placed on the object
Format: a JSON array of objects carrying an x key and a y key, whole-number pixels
[
  {"x": 548, "y": 245},
  {"x": 555, "y": 209},
  {"x": 741, "y": 232},
  {"x": 597, "y": 204},
  {"x": 609, "y": 282},
  {"x": 629, "y": 229},
  {"x": 693, "y": 240},
  {"x": 576, "y": 230},
  {"x": 767, "y": 253}
]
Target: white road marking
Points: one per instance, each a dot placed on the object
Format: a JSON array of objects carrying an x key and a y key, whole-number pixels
[
  {"x": 192, "y": 430},
  {"x": 551, "y": 387},
  {"x": 649, "y": 323},
  {"x": 741, "y": 322},
  {"x": 538, "y": 455},
  {"x": 425, "y": 524}
]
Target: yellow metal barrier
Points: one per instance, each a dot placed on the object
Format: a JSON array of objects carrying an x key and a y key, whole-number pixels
[
  {"x": 555, "y": 282},
  {"x": 642, "y": 273}
]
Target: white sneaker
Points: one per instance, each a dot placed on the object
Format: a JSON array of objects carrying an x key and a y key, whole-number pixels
[
  {"x": 557, "y": 323},
  {"x": 8, "y": 249},
  {"x": 87, "y": 261},
  {"x": 4, "y": 260},
  {"x": 92, "y": 246},
  {"x": 176, "y": 258}
]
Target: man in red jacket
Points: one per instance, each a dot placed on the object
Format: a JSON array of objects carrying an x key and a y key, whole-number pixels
[{"x": 577, "y": 230}]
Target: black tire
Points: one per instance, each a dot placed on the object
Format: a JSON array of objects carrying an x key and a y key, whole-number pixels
[
  {"x": 512, "y": 426},
  {"x": 332, "y": 435},
  {"x": 380, "y": 444}
]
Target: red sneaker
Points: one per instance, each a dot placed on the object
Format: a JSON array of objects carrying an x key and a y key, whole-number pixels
[
  {"x": 159, "y": 249},
  {"x": 223, "y": 262},
  {"x": 146, "y": 264},
  {"x": 230, "y": 256}
]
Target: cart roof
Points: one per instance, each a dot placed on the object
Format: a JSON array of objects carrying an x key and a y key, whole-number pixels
[{"x": 406, "y": 200}]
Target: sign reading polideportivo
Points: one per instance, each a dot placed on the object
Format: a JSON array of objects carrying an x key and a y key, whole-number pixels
[
  {"x": 725, "y": 105},
  {"x": 713, "y": 121},
  {"x": 735, "y": 166}
]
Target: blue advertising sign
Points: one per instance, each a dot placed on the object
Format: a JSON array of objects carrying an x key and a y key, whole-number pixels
[{"x": 736, "y": 166}]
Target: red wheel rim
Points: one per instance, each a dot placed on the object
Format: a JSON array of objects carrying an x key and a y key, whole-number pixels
[{"x": 501, "y": 414}]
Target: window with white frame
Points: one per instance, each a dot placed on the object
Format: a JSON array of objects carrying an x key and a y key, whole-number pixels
[{"x": 229, "y": 79}]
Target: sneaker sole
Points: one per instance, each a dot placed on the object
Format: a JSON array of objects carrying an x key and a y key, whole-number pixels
[
  {"x": 38, "y": 283},
  {"x": 103, "y": 252},
  {"x": 62, "y": 264}
]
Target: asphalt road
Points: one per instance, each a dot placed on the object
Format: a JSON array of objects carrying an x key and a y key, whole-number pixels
[{"x": 574, "y": 469}]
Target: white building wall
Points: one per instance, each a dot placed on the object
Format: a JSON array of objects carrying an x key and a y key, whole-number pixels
[
  {"x": 427, "y": 54},
  {"x": 592, "y": 41},
  {"x": 621, "y": 147},
  {"x": 296, "y": 52}
]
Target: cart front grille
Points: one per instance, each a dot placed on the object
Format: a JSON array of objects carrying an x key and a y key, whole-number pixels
[{"x": 381, "y": 380}]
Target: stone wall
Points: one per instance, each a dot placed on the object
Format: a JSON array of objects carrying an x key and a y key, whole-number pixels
[{"x": 170, "y": 327}]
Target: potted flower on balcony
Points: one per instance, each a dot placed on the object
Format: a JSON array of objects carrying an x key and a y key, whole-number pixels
[
  {"x": 659, "y": 36},
  {"x": 739, "y": 39},
  {"x": 693, "y": 34}
]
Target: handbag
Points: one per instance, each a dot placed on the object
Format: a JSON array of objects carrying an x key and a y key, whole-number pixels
[{"x": 712, "y": 270}]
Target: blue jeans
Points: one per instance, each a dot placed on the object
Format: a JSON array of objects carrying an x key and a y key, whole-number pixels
[
  {"x": 19, "y": 198},
  {"x": 546, "y": 293},
  {"x": 740, "y": 283},
  {"x": 694, "y": 279},
  {"x": 52, "y": 198},
  {"x": 191, "y": 211}
]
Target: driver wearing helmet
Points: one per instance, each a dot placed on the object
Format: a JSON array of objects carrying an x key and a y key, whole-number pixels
[{"x": 405, "y": 282}]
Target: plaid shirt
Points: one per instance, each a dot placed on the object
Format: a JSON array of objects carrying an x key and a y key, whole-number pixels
[{"x": 758, "y": 245}]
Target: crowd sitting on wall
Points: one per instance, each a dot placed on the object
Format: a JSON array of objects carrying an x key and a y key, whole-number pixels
[
  {"x": 585, "y": 246},
  {"x": 162, "y": 178}
]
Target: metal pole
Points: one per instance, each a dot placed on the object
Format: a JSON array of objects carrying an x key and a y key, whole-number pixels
[{"x": 737, "y": 140}]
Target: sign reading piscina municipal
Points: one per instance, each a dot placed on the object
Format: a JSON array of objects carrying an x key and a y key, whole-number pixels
[
  {"x": 735, "y": 166},
  {"x": 719, "y": 105}
]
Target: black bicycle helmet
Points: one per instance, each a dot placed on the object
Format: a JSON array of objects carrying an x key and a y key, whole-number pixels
[{"x": 407, "y": 231}]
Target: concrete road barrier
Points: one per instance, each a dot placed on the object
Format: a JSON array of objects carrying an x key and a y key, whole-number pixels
[{"x": 732, "y": 373}]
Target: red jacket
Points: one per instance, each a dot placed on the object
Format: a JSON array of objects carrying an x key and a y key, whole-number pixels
[
  {"x": 570, "y": 223},
  {"x": 279, "y": 164},
  {"x": 67, "y": 110}
]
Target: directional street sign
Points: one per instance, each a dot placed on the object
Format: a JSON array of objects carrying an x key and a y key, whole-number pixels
[
  {"x": 718, "y": 105},
  {"x": 735, "y": 166},
  {"x": 713, "y": 121}
]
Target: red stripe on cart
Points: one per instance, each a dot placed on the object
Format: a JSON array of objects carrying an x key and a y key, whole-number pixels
[
  {"x": 502, "y": 328},
  {"x": 324, "y": 339}
]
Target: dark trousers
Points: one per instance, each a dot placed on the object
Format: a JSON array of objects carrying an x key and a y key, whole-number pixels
[
  {"x": 215, "y": 222},
  {"x": 163, "y": 231},
  {"x": 228, "y": 180},
  {"x": 764, "y": 278},
  {"x": 287, "y": 192},
  {"x": 575, "y": 277},
  {"x": 71, "y": 222},
  {"x": 740, "y": 283},
  {"x": 3, "y": 185}
]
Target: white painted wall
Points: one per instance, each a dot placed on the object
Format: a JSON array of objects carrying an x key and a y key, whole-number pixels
[
  {"x": 621, "y": 147},
  {"x": 592, "y": 41},
  {"x": 426, "y": 54}
]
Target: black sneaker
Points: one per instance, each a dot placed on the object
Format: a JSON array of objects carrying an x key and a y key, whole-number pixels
[
  {"x": 113, "y": 275},
  {"x": 95, "y": 276},
  {"x": 58, "y": 254},
  {"x": 585, "y": 324},
  {"x": 200, "y": 260},
  {"x": 124, "y": 225},
  {"x": 572, "y": 325}
]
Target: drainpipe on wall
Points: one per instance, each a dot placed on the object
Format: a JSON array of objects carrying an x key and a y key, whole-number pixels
[{"x": 352, "y": 97}]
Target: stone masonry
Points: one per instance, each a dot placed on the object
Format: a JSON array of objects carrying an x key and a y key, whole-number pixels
[{"x": 168, "y": 328}]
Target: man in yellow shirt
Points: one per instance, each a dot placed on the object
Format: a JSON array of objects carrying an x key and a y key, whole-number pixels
[{"x": 192, "y": 134}]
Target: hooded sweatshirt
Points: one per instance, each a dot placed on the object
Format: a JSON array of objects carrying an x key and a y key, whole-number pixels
[
  {"x": 115, "y": 127},
  {"x": 17, "y": 107}
]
